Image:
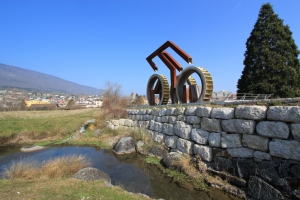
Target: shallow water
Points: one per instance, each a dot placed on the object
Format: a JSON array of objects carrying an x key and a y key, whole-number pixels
[{"x": 130, "y": 172}]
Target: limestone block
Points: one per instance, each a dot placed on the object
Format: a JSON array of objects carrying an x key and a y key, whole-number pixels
[
  {"x": 158, "y": 137},
  {"x": 111, "y": 126},
  {"x": 165, "y": 119},
  {"x": 129, "y": 112},
  {"x": 152, "y": 125},
  {"x": 150, "y": 133},
  {"x": 284, "y": 113},
  {"x": 190, "y": 110},
  {"x": 262, "y": 155},
  {"x": 149, "y": 111},
  {"x": 288, "y": 149},
  {"x": 185, "y": 146},
  {"x": 238, "y": 126},
  {"x": 172, "y": 119},
  {"x": 259, "y": 189},
  {"x": 193, "y": 120},
  {"x": 115, "y": 122},
  {"x": 140, "y": 112},
  {"x": 182, "y": 130},
  {"x": 211, "y": 124},
  {"x": 255, "y": 142},
  {"x": 231, "y": 140},
  {"x": 168, "y": 129},
  {"x": 241, "y": 152},
  {"x": 273, "y": 129},
  {"x": 170, "y": 111},
  {"x": 130, "y": 116},
  {"x": 295, "y": 129},
  {"x": 181, "y": 118},
  {"x": 199, "y": 136},
  {"x": 222, "y": 113},
  {"x": 251, "y": 112},
  {"x": 122, "y": 122},
  {"x": 203, "y": 111},
  {"x": 162, "y": 112},
  {"x": 214, "y": 140},
  {"x": 146, "y": 117},
  {"x": 171, "y": 141},
  {"x": 146, "y": 124},
  {"x": 179, "y": 111},
  {"x": 155, "y": 112},
  {"x": 205, "y": 152}
]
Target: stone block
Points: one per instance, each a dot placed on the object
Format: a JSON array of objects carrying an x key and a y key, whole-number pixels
[
  {"x": 157, "y": 119},
  {"x": 203, "y": 111},
  {"x": 241, "y": 152},
  {"x": 214, "y": 140},
  {"x": 273, "y": 129},
  {"x": 122, "y": 122},
  {"x": 295, "y": 129},
  {"x": 162, "y": 112},
  {"x": 196, "y": 126},
  {"x": 128, "y": 122},
  {"x": 288, "y": 149},
  {"x": 238, "y": 126},
  {"x": 152, "y": 125},
  {"x": 262, "y": 155},
  {"x": 284, "y": 113},
  {"x": 170, "y": 111},
  {"x": 251, "y": 112},
  {"x": 185, "y": 146},
  {"x": 231, "y": 140},
  {"x": 205, "y": 152},
  {"x": 222, "y": 113},
  {"x": 181, "y": 118},
  {"x": 115, "y": 122},
  {"x": 155, "y": 112},
  {"x": 199, "y": 136},
  {"x": 165, "y": 119},
  {"x": 171, "y": 141},
  {"x": 259, "y": 189},
  {"x": 255, "y": 142},
  {"x": 213, "y": 125},
  {"x": 168, "y": 129},
  {"x": 172, "y": 119},
  {"x": 158, "y": 137},
  {"x": 179, "y": 111},
  {"x": 158, "y": 127},
  {"x": 182, "y": 130},
  {"x": 222, "y": 164},
  {"x": 149, "y": 111},
  {"x": 190, "y": 110},
  {"x": 193, "y": 120},
  {"x": 134, "y": 124},
  {"x": 243, "y": 167}
]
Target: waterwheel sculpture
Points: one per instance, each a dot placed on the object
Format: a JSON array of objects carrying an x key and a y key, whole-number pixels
[{"x": 183, "y": 88}]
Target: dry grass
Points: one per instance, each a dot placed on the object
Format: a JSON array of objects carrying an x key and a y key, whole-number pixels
[
  {"x": 187, "y": 167},
  {"x": 60, "y": 167}
]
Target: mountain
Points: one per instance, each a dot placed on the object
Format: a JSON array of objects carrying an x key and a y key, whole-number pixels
[{"x": 15, "y": 77}]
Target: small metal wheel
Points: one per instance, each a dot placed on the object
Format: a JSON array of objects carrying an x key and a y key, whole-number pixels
[{"x": 158, "y": 84}]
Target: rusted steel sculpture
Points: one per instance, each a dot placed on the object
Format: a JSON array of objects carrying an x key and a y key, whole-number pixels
[{"x": 158, "y": 83}]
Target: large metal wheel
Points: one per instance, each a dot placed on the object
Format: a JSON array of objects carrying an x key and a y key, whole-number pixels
[
  {"x": 206, "y": 83},
  {"x": 158, "y": 83}
]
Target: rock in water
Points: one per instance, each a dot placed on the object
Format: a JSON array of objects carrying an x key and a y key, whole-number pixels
[{"x": 124, "y": 145}]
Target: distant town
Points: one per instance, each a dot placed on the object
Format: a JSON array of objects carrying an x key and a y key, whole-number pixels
[{"x": 15, "y": 99}]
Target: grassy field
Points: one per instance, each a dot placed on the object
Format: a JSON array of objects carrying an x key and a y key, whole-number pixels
[
  {"x": 68, "y": 188},
  {"x": 43, "y": 124}
]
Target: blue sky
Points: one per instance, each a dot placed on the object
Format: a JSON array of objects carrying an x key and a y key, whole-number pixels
[{"x": 92, "y": 41}]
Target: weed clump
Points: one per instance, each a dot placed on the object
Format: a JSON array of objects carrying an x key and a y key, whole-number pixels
[{"x": 60, "y": 167}]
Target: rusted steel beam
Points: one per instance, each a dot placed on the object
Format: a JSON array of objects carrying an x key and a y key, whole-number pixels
[
  {"x": 185, "y": 94},
  {"x": 152, "y": 98},
  {"x": 193, "y": 93},
  {"x": 167, "y": 44}
]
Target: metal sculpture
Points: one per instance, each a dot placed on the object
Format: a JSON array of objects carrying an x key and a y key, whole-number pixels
[{"x": 158, "y": 83}]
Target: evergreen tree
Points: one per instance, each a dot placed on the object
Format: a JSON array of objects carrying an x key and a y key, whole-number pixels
[{"x": 271, "y": 59}]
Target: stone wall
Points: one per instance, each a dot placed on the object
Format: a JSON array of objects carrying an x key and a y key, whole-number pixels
[{"x": 246, "y": 141}]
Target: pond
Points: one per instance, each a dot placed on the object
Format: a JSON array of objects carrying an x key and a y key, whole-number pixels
[{"x": 130, "y": 172}]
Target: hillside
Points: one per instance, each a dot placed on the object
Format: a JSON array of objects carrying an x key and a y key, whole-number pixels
[{"x": 15, "y": 77}]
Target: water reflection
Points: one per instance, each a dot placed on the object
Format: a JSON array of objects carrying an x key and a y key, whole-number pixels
[{"x": 127, "y": 171}]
